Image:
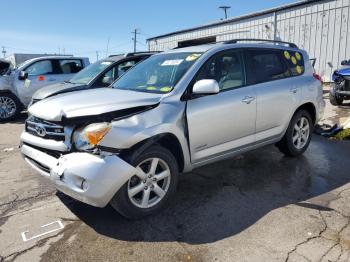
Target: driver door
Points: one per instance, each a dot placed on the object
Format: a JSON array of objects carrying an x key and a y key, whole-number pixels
[{"x": 221, "y": 123}]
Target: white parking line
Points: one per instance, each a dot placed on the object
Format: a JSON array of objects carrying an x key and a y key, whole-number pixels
[{"x": 60, "y": 224}]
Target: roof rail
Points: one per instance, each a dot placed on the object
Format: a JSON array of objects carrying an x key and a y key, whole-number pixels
[
  {"x": 136, "y": 53},
  {"x": 235, "y": 41}
]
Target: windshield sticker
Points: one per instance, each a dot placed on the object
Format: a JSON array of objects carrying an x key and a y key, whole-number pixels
[
  {"x": 192, "y": 57},
  {"x": 166, "y": 89},
  {"x": 151, "y": 88},
  {"x": 106, "y": 63},
  {"x": 174, "y": 62},
  {"x": 286, "y": 55},
  {"x": 298, "y": 56},
  {"x": 294, "y": 60}
]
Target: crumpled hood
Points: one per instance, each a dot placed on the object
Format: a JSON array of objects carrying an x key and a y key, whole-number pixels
[
  {"x": 91, "y": 103},
  {"x": 55, "y": 89}
]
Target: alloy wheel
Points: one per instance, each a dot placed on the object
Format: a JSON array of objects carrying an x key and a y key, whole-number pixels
[
  {"x": 7, "y": 107},
  {"x": 301, "y": 133},
  {"x": 150, "y": 183}
]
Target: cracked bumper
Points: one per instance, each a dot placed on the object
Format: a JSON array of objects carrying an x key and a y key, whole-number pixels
[{"x": 102, "y": 176}]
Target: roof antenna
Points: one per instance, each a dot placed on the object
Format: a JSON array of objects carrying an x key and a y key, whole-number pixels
[{"x": 225, "y": 8}]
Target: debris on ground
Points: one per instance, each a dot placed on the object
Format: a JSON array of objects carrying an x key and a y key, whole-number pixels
[
  {"x": 337, "y": 131},
  {"x": 8, "y": 149}
]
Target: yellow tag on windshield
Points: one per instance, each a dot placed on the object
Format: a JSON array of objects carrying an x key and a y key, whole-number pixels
[
  {"x": 299, "y": 69},
  {"x": 294, "y": 60},
  {"x": 192, "y": 57},
  {"x": 151, "y": 88},
  {"x": 298, "y": 56},
  {"x": 166, "y": 89}
]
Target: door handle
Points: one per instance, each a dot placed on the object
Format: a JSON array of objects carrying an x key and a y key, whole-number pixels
[
  {"x": 294, "y": 90},
  {"x": 248, "y": 99}
]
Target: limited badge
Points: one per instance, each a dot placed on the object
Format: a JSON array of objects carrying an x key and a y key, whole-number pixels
[{"x": 286, "y": 55}]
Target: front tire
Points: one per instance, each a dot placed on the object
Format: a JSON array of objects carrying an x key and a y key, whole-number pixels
[
  {"x": 298, "y": 136},
  {"x": 10, "y": 107},
  {"x": 150, "y": 189}
]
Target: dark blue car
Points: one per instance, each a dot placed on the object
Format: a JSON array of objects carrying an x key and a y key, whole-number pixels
[{"x": 341, "y": 89}]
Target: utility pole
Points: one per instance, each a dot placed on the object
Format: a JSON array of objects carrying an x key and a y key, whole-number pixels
[
  {"x": 135, "y": 32},
  {"x": 96, "y": 55},
  {"x": 225, "y": 8},
  {"x": 3, "y": 51},
  {"x": 107, "y": 49}
]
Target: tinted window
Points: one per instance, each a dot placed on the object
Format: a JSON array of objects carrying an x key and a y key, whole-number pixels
[
  {"x": 266, "y": 65},
  {"x": 295, "y": 62},
  {"x": 42, "y": 67},
  {"x": 70, "y": 66},
  {"x": 226, "y": 68},
  {"x": 90, "y": 72}
]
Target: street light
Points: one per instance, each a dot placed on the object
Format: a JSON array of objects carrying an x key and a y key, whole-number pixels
[{"x": 225, "y": 8}]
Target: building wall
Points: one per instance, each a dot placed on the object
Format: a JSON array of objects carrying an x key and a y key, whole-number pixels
[{"x": 321, "y": 28}]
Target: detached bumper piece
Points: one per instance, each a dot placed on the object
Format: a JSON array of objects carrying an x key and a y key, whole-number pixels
[{"x": 88, "y": 178}]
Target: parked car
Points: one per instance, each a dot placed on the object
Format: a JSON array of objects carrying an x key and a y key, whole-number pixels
[
  {"x": 171, "y": 113},
  {"x": 17, "y": 86},
  {"x": 340, "y": 91},
  {"x": 100, "y": 74}
]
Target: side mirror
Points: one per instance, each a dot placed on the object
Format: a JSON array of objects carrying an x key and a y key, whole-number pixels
[
  {"x": 107, "y": 80},
  {"x": 344, "y": 62},
  {"x": 206, "y": 87},
  {"x": 23, "y": 75}
]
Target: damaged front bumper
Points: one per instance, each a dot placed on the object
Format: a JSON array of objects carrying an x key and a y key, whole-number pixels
[{"x": 88, "y": 178}]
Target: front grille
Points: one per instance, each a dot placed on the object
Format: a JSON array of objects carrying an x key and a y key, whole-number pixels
[
  {"x": 44, "y": 129},
  {"x": 347, "y": 85}
]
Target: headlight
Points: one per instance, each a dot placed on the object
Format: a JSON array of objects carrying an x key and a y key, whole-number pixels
[{"x": 88, "y": 137}]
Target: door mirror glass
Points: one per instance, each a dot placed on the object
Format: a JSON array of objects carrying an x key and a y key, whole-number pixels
[
  {"x": 206, "y": 87},
  {"x": 23, "y": 75},
  {"x": 107, "y": 80}
]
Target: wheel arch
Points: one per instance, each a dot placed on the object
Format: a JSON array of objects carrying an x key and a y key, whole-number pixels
[
  {"x": 166, "y": 140},
  {"x": 310, "y": 108}
]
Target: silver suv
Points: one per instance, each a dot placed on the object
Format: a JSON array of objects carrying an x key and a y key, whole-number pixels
[{"x": 173, "y": 112}]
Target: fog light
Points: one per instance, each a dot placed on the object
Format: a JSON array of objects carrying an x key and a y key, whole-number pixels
[{"x": 84, "y": 185}]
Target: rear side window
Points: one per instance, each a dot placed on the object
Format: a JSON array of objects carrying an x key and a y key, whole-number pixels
[
  {"x": 266, "y": 65},
  {"x": 70, "y": 66},
  {"x": 295, "y": 62}
]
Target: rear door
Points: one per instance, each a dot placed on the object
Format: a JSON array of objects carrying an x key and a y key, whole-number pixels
[
  {"x": 68, "y": 68},
  {"x": 223, "y": 122},
  {"x": 277, "y": 92}
]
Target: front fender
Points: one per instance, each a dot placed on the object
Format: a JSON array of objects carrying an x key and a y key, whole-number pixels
[{"x": 166, "y": 118}]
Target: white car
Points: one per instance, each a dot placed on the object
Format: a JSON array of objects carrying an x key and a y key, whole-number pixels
[{"x": 17, "y": 86}]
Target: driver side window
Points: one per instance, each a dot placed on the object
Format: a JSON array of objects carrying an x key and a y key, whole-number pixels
[
  {"x": 226, "y": 68},
  {"x": 43, "y": 67}
]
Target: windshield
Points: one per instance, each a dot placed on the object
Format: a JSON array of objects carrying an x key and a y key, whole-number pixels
[
  {"x": 157, "y": 74},
  {"x": 90, "y": 72}
]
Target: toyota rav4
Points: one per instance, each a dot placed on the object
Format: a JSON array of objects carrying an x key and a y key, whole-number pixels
[{"x": 171, "y": 113}]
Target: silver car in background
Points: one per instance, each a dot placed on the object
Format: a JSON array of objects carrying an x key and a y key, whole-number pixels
[
  {"x": 171, "y": 113},
  {"x": 17, "y": 86}
]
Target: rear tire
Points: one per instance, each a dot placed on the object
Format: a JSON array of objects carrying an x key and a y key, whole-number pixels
[
  {"x": 298, "y": 135},
  {"x": 335, "y": 100},
  {"x": 148, "y": 191},
  {"x": 10, "y": 107}
]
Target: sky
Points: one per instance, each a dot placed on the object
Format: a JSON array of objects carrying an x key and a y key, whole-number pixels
[{"x": 81, "y": 27}]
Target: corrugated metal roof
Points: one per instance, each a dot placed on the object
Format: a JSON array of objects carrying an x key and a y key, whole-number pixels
[{"x": 234, "y": 19}]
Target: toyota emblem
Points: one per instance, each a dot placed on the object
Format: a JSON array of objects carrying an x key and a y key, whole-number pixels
[{"x": 40, "y": 130}]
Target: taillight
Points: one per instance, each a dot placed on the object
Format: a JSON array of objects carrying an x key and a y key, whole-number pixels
[{"x": 318, "y": 77}]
